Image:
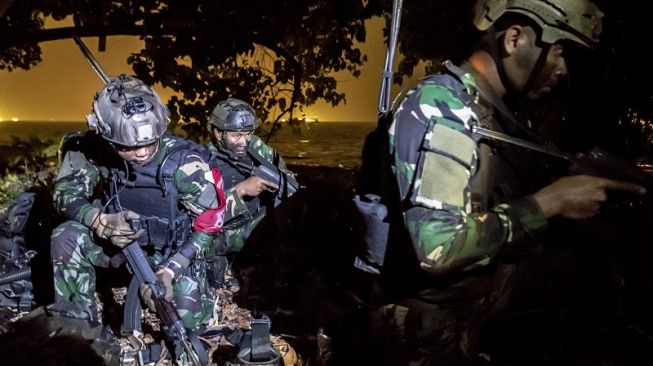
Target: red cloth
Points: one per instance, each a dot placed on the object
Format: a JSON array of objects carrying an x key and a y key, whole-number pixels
[{"x": 211, "y": 220}]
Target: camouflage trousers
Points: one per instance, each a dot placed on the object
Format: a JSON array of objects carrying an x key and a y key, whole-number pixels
[
  {"x": 417, "y": 331},
  {"x": 439, "y": 326},
  {"x": 75, "y": 254}
]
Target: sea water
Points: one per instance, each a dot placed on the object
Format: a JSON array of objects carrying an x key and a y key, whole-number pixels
[{"x": 332, "y": 144}]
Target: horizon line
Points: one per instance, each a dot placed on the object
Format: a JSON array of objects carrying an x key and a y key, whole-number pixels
[{"x": 11, "y": 121}]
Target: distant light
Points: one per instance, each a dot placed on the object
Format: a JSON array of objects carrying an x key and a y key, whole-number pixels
[
  {"x": 1, "y": 120},
  {"x": 14, "y": 119}
]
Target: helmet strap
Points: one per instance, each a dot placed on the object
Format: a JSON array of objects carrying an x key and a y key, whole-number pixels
[
  {"x": 497, "y": 51},
  {"x": 537, "y": 68}
]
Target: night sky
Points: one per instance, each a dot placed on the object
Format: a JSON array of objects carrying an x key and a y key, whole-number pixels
[{"x": 62, "y": 86}]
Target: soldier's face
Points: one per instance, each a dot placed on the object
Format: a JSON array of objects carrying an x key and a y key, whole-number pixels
[
  {"x": 555, "y": 67},
  {"x": 138, "y": 154},
  {"x": 524, "y": 52},
  {"x": 237, "y": 142}
]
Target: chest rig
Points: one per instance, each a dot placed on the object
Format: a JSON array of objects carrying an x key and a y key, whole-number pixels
[{"x": 150, "y": 191}]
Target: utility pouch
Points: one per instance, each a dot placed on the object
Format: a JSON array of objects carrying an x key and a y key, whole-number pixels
[{"x": 374, "y": 230}]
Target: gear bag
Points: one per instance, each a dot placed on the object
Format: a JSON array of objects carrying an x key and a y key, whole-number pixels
[{"x": 15, "y": 272}]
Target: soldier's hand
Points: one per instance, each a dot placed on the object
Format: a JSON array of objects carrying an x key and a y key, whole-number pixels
[
  {"x": 165, "y": 277},
  {"x": 116, "y": 227},
  {"x": 253, "y": 186},
  {"x": 579, "y": 196},
  {"x": 117, "y": 260}
]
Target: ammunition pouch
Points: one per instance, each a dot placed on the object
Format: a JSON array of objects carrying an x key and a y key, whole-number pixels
[{"x": 160, "y": 232}]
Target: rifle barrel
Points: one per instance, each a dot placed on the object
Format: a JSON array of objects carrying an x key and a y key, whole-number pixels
[
  {"x": 386, "y": 78},
  {"x": 91, "y": 59}
]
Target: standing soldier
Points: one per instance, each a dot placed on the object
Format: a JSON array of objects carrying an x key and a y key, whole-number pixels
[
  {"x": 235, "y": 151},
  {"x": 126, "y": 168},
  {"x": 471, "y": 204}
]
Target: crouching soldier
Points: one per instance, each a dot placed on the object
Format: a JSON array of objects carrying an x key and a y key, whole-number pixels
[
  {"x": 256, "y": 178},
  {"x": 127, "y": 168}
]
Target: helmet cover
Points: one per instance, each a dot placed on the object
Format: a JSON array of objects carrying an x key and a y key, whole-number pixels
[
  {"x": 233, "y": 115},
  {"x": 576, "y": 20},
  {"x": 128, "y": 112}
]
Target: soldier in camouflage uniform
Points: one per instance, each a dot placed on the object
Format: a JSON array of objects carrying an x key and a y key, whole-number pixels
[
  {"x": 128, "y": 167},
  {"x": 470, "y": 204},
  {"x": 232, "y": 125}
]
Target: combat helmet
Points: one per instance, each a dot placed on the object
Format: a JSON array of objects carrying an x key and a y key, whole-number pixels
[
  {"x": 575, "y": 20},
  {"x": 128, "y": 112},
  {"x": 233, "y": 114}
]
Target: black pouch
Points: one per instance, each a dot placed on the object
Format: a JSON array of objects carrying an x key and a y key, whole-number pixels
[{"x": 372, "y": 215}]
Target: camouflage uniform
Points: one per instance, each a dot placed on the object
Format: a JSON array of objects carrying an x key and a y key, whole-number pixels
[
  {"x": 76, "y": 250},
  {"x": 242, "y": 215},
  {"x": 466, "y": 208}
]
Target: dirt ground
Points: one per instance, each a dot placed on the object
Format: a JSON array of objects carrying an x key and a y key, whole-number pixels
[{"x": 588, "y": 304}]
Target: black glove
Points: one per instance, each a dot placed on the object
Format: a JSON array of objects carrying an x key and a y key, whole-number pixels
[
  {"x": 164, "y": 276},
  {"x": 116, "y": 227}
]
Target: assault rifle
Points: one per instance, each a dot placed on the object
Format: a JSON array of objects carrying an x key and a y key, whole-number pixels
[
  {"x": 144, "y": 274},
  {"x": 597, "y": 162},
  {"x": 263, "y": 170}
]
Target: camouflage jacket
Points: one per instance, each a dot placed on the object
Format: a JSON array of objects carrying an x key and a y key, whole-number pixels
[
  {"x": 462, "y": 203},
  {"x": 242, "y": 217},
  {"x": 80, "y": 179}
]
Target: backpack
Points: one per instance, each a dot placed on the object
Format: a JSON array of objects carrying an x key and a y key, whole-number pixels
[
  {"x": 15, "y": 271},
  {"x": 386, "y": 264}
]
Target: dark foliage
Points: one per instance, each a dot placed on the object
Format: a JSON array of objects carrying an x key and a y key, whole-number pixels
[{"x": 277, "y": 54}]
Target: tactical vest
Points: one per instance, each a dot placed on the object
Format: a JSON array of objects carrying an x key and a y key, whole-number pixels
[{"x": 150, "y": 191}]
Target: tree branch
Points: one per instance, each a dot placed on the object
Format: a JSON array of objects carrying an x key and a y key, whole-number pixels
[{"x": 54, "y": 34}]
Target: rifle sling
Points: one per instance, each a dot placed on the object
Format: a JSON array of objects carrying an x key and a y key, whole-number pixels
[
  {"x": 198, "y": 346},
  {"x": 132, "y": 320},
  {"x": 498, "y": 136}
]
